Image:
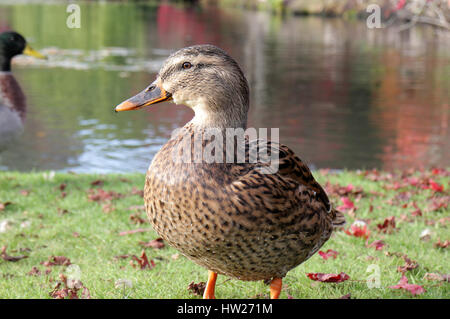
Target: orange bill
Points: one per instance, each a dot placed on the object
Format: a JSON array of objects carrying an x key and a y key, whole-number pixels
[{"x": 153, "y": 94}]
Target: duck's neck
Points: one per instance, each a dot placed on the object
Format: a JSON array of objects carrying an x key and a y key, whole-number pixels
[
  {"x": 5, "y": 63},
  {"x": 232, "y": 116}
]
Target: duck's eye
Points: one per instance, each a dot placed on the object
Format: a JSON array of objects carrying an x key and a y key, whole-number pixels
[{"x": 186, "y": 65}]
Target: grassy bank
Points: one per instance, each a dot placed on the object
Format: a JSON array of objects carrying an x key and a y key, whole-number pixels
[{"x": 86, "y": 219}]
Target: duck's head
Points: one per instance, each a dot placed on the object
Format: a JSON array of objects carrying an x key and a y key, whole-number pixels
[
  {"x": 12, "y": 44},
  {"x": 204, "y": 78}
]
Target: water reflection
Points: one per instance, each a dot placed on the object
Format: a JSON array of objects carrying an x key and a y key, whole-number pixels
[{"x": 342, "y": 95}]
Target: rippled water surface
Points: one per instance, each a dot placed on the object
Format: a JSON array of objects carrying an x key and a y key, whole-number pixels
[{"x": 342, "y": 95}]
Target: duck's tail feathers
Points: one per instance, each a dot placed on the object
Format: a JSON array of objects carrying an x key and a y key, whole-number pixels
[{"x": 337, "y": 218}]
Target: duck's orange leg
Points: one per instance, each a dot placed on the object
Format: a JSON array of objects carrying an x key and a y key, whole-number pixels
[
  {"x": 210, "y": 285},
  {"x": 275, "y": 288}
]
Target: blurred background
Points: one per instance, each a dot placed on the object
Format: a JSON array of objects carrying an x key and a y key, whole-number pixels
[{"x": 342, "y": 94}]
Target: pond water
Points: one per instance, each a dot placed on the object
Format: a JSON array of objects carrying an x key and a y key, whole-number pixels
[{"x": 343, "y": 95}]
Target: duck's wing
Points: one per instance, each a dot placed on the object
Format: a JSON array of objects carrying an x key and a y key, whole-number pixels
[{"x": 286, "y": 167}]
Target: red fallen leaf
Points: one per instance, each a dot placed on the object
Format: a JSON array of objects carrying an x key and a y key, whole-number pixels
[
  {"x": 438, "y": 203},
  {"x": 440, "y": 171},
  {"x": 197, "y": 289},
  {"x": 56, "y": 261},
  {"x": 347, "y": 204},
  {"x": 409, "y": 265},
  {"x": 64, "y": 289},
  {"x": 329, "y": 253},
  {"x": 3, "y": 205},
  {"x": 134, "y": 231},
  {"x": 98, "y": 182},
  {"x": 142, "y": 261},
  {"x": 417, "y": 212},
  {"x": 388, "y": 225},
  {"x": 157, "y": 243},
  {"x": 377, "y": 244},
  {"x": 358, "y": 229},
  {"x": 34, "y": 272},
  {"x": 102, "y": 195},
  {"x": 336, "y": 278},
  {"x": 440, "y": 244},
  {"x": 413, "y": 289},
  {"x": 7, "y": 257},
  {"x": 435, "y": 186}
]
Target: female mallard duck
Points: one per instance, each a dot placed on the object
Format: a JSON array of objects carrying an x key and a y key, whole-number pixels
[
  {"x": 231, "y": 217},
  {"x": 12, "y": 99}
]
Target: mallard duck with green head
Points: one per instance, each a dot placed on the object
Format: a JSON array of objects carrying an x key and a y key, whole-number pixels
[
  {"x": 12, "y": 99},
  {"x": 234, "y": 217}
]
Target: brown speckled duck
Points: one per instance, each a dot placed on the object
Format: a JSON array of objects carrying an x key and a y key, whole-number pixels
[
  {"x": 12, "y": 99},
  {"x": 230, "y": 216}
]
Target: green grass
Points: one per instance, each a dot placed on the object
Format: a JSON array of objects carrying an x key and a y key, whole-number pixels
[{"x": 48, "y": 231}]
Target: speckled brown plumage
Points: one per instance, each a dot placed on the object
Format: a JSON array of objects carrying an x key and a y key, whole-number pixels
[{"x": 233, "y": 218}]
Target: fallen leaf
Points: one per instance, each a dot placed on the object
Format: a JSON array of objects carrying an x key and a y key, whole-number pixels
[
  {"x": 409, "y": 265},
  {"x": 435, "y": 186},
  {"x": 34, "y": 271},
  {"x": 157, "y": 243},
  {"x": 142, "y": 261},
  {"x": 329, "y": 253},
  {"x": 98, "y": 195},
  {"x": 440, "y": 244},
  {"x": 70, "y": 290},
  {"x": 347, "y": 296},
  {"x": 98, "y": 182},
  {"x": 438, "y": 203},
  {"x": 56, "y": 261},
  {"x": 413, "y": 289},
  {"x": 336, "y": 278},
  {"x": 347, "y": 204},
  {"x": 197, "y": 289},
  {"x": 358, "y": 229},
  {"x": 387, "y": 226},
  {"x": 7, "y": 257},
  {"x": 377, "y": 244}
]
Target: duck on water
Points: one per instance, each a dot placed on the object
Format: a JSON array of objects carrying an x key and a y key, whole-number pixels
[{"x": 12, "y": 99}]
